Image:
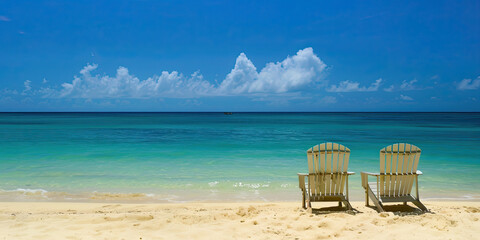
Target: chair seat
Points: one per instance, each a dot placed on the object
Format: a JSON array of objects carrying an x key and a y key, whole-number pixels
[{"x": 384, "y": 198}]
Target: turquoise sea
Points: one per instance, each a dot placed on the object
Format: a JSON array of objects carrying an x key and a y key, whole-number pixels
[{"x": 177, "y": 157}]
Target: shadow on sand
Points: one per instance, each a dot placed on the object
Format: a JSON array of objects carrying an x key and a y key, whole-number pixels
[
  {"x": 402, "y": 210},
  {"x": 336, "y": 209},
  {"x": 399, "y": 210}
]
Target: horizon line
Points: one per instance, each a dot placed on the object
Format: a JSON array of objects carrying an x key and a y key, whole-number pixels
[{"x": 239, "y": 112}]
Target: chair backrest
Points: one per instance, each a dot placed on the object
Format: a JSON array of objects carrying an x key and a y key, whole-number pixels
[
  {"x": 398, "y": 162},
  {"x": 327, "y": 159}
]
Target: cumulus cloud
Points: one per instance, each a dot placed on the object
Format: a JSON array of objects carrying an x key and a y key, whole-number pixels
[
  {"x": 241, "y": 77},
  {"x": 348, "y": 86},
  {"x": 8, "y": 92},
  {"x": 468, "y": 84},
  {"x": 293, "y": 73},
  {"x": 27, "y": 87},
  {"x": 389, "y": 89},
  {"x": 410, "y": 85},
  {"x": 406, "y": 98},
  {"x": 125, "y": 85},
  {"x": 290, "y": 75}
]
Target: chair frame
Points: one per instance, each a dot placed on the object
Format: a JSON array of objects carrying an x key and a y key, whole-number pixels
[
  {"x": 378, "y": 201},
  {"x": 372, "y": 189},
  {"x": 331, "y": 173}
]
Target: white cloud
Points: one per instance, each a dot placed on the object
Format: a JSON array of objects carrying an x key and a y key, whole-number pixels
[
  {"x": 348, "y": 86},
  {"x": 44, "y": 80},
  {"x": 27, "y": 87},
  {"x": 124, "y": 85},
  {"x": 241, "y": 77},
  {"x": 409, "y": 85},
  {"x": 389, "y": 89},
  {"x": 292, "y": 74},
  {"x": 9, "y": 92},
  {"x": 4, "y": 19},
  {"x": 406, "y": 98},
  {"x": 47, "y": 92},
  {"x": 468, "y": 84}
]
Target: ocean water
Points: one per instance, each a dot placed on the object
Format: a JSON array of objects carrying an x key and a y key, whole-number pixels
[{"x": 179, "y": 157}]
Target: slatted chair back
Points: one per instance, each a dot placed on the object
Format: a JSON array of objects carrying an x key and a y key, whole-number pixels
[
  {"x": 398, "y": 164},
  {"x": 327, "y": 166}
]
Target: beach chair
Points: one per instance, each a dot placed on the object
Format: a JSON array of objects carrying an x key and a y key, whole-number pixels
[
  {"x": 398, "y": 171},
  {"x": 327, "y": 178}
]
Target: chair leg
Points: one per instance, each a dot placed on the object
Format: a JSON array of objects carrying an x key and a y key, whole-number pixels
[
  {"x": 347, "y": 205},
  {"x": 420, "y": 205},
  {"x": 417, "y": 200},
  {"x": 405, "y": 203},
  {"x": 303, "y": 200},
  {"x": 375, "y": 200},
  {"x": 366, "y": 198}
]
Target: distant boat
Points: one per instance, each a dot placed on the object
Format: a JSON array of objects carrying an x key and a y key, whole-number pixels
[{"x": 227, "y": 113}]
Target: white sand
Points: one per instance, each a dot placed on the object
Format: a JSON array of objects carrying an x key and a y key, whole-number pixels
[{"x": 448, "y": 220}]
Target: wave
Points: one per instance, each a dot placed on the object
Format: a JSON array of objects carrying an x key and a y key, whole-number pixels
[
  {"x": 235, "y": 192},
  {"x": 250, "y": 185},
  {"x": 450, "y": 198},
  {"x": 27, "y": 191},
  {"x": 21, "y": 194}
]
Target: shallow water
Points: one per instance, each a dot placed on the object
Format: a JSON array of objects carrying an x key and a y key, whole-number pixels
[{"x": 156, "y": 157}]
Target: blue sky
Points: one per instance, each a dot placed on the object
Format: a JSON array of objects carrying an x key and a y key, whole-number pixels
[{"x": 239, "y": 56}]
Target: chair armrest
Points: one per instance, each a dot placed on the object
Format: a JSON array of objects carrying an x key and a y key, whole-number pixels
[
  {"x": 350, "y": 173},
  {"x": 365, "y": 178},
  {"x": 419, "y": 172},
  {"x": 371, "y": 174},
  {"x": 301, "y": 180}
]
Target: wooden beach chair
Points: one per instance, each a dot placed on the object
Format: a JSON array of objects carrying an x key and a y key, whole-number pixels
[
  {"x": 327, "y": 178},
  {"x": 398, "y": 171}
]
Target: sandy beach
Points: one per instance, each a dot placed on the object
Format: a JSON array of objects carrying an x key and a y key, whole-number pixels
[{"x": 280, "y": 220}]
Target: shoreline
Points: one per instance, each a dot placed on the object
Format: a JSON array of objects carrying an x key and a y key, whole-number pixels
[
  {"x": 202, "y": 196},
  {"x": 237, "y": 220}
]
